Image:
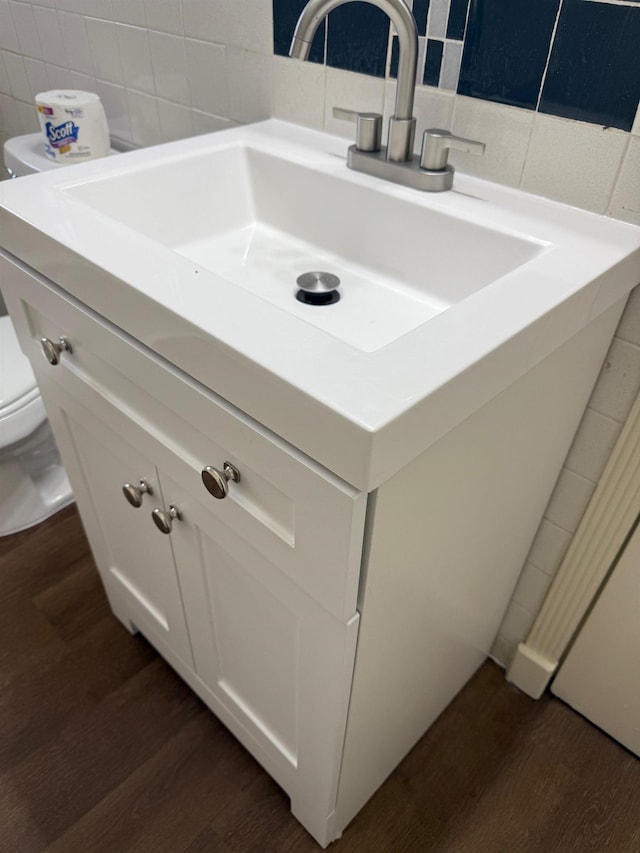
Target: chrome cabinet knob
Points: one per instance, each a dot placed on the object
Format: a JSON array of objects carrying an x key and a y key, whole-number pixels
[
  {"x": 134, "y": 494},
  {"x": 53, "y": 349},
  {"x": 217, "y": 482},
  {"x": 163, "y": 519}
]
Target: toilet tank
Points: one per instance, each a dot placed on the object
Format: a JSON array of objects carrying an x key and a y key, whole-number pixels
[{"x": 24, "y": 155}]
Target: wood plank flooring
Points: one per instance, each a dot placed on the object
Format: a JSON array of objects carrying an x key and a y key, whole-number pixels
[{"x": 104, "y": 749}]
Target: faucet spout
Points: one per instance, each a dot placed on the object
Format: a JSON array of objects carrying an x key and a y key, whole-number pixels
[{"x": 402, "y": 123}]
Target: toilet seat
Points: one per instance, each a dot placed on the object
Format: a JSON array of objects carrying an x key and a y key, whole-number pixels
[{"x": 21, "y": 407}]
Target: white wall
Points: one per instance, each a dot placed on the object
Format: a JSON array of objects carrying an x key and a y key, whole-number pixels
[{"x": 171, "y": 68}]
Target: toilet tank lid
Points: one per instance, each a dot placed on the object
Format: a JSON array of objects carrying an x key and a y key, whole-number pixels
[
  {"x": 24, "y": 155},
  {"x": 16, "y": 377}
]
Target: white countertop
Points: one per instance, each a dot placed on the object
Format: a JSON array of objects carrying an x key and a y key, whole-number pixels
[{"x": 362, "y": 414}]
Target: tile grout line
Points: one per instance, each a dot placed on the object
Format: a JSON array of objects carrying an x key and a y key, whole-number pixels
[
  {"x": 542, "y": 82},
  {"x": 616, "y": 180},
  {"x": 549, "y": 52}
]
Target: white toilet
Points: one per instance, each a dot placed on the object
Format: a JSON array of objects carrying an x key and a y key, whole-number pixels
[{"x": 33, "y": 483}]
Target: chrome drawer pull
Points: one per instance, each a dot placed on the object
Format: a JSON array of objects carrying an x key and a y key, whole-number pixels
[
  {"x": 163, "y": 520},
  {"x": 53, "y": 350},
  {"x": 217, "y": 482},
  {"x": 134, "y": 494}
]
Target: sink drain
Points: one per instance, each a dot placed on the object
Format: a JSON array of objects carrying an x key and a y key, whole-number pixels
[{"x": 318, "y": 288}]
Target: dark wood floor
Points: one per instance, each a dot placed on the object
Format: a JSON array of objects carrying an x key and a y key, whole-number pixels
[{"x": 103, "y": 748}]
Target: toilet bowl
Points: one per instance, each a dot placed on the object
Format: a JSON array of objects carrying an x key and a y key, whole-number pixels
[{"x": 33, "y": 482}]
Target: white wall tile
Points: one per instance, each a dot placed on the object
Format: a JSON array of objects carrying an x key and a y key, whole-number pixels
[
  {"x": 573, "y": 162},
  {"x": 59, "y": 78},
  {"x": 549, "y": 547},
  {"x": 37, "y": 76},
  {"x": 49, "y": 3},
  {"x": 619, "y": 381},
  {"x": 50, "y": 35},
  {"x": 569, "y": 500},
  {"x": 27, "y": 117},
  {"x": 144, "y": 119},
  {"x": 207, "y": 70},
  {"x": 114, "y": 101},
  {"x": 135, "y": 56},
  {"x": 250, "y": 85},
  {"x": 253, "y": 32},
  {"x": 636, "y": 124},
  {"x": 8, "y": 37},
  {"x": 503, "y": 650},
  {"x": 97, "y": 9},
  {"x": 9, "y": 115},
  {"x": 165, "y": 15},
  {"x": 230, "y": 23},
  {"x": 169, "y": 61},
  {"x": 532, "y": 588},
  {"x": 85, "y": 82},
  {"x": 103, "y": 42},
  {"x": 175, "y": 120},
  {"x": 355, "y": 92},
  {"x": 506, "y": 132},
  {"x": 198, "y": 21},
  {"x": 76, "y": 43},
  {"x": 18, "y": 81},
  {"x": 206, "y": 123},
  {"x": 432, "y": 108},
  {"x": 298, "y": 91},
  {"x": 5, "y": 86},
  {"x": 625, "y": 201},
  {"x": 130, "y": 12},
  {"x": 629, "y": 326},
  {"x": 23, "y": 21},
  {"x": 592, "y": 445},
  {"x": 516, "y": 624}
]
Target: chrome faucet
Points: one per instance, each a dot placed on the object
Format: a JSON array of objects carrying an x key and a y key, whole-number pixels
[
  {"x": 396, "y": 161},
  {"x": 402, "y": 125}
]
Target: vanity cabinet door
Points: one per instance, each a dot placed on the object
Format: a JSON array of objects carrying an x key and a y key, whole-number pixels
[
  {"x": 276, "y": 665},
  {"x": 100, "y": 447},
  {"x": 301, "y": 517}
]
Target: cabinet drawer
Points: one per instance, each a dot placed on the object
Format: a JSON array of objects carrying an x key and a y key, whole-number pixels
[{"x": 304, "y": 520}]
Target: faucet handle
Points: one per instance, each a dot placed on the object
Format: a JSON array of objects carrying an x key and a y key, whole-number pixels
[
  {"x": 368, "y": 127},
  {"x": 436, "y": 144}
]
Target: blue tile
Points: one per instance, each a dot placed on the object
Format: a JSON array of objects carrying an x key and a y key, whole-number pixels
[
  {"x": 358, "y": 38},
  {"x": 433, "y": 62},
  {"x": 457, "y": 19},
  {"x": 285, "y": 18},
  {"x": 594, "y": 70},
  {"x": 506, "y": 49},
  {"x": 420, "y": 10},
  {"x": 395, "y": 55}
]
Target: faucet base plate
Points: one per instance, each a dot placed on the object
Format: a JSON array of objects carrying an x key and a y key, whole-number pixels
[{"x": 407, "y": 173}]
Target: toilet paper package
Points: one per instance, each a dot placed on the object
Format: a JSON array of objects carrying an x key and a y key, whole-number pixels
[{"x": 73, "y": 124}]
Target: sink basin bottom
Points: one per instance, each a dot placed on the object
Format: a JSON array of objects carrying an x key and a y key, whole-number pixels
[{"x": 372, "y": 311}]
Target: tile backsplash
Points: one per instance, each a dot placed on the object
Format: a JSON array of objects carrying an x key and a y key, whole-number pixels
[
  {"x": 572, "y": 58},
  {"x": 551, "y": 87}
]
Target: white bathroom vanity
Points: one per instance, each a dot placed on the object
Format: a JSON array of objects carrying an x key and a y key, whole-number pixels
[{"x": 381, "y": 464}]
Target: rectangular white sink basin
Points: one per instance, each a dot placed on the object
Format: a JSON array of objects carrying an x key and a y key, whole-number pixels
[
  {"x": 260, "y": 221},
  {"x": 194, "y": 249}
]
